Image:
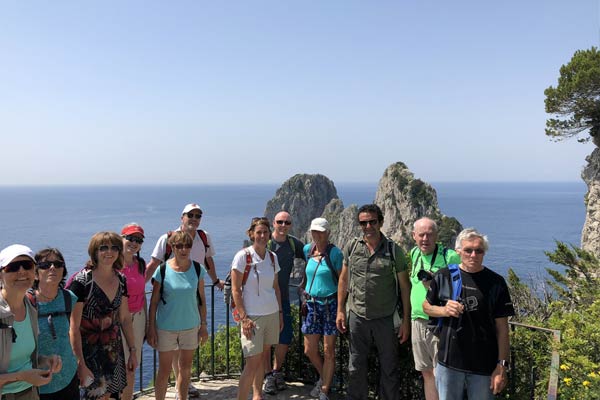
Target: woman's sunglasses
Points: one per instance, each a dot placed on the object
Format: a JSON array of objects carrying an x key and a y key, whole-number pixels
[
  {"x": 134, "y": 239},
  {"x": 48, "y": 264},
  {"x": 180, "y": 246},
  {"x": 16, "y": 265}
]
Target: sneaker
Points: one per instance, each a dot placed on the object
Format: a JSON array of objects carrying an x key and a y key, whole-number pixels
[
  {"x": 270, "y": 385},
  {"x": 323, "y": 396},
  {"x": 193, "y": 391},
  {"x": 279, "y": 380},
  {"x": 317, "y": 389}
]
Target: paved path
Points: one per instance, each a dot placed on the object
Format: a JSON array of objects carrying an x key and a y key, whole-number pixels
[{"x": 227, "y": 390}]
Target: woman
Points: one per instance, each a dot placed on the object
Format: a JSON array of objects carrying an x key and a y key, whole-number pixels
[
  {"x": 258, "y": 304},
  {"x": 54, "y": 311},
  {"x": 134, "y": 269},
  {"x": 102, "y": 313},
  {"x": 322, "y": 270},
  {"x": 175, "y": 321},
  {"x": 20, "y": 369}
]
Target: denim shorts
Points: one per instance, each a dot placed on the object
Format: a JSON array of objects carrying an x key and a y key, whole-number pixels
[{"x": 320, "y": 319}]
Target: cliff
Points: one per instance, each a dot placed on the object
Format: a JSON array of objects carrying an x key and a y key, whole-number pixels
[
  {"x": 590, "y": 235},
  {"x": 402, "y": 198}
]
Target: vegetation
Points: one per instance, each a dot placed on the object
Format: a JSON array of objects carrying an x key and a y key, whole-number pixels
[{"x": 575, "y": 101}]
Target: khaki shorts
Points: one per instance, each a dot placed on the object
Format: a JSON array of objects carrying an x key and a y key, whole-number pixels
[
  {"x": 173, "y": 340},
  {"x": 138, "y": 322},
  {"x": 424, "y": 345},
  {"x": 266, "y": 333}
]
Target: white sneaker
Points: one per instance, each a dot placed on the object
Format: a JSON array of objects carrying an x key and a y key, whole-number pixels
[{"x": 317, "y": 389}]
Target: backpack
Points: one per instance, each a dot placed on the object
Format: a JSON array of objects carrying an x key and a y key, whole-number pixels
[
  {"x": 203, "y": 237},
  {"x": 327, "y": 256},
  {"x": 455, "y": 287},
  {"x": 66, "y": 312},
  {"x": 163, "y": 270},
  {"x": 290, "y": 241},
  {"x": 227, "y": 298}
]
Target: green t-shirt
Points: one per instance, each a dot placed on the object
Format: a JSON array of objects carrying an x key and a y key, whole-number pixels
[{"x": 418, "y": 261}]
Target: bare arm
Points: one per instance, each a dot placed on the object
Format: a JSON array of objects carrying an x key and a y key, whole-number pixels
[
  {"x": 151, "y": 267},
  {"x": 203, "y": 330},
  {"x": 127, "y": 328},
  {"x": 499, "y": 376},
  {"x": 151, "y": 335},
  {"x": 451, "y": 309},
  {"x": 340, "y": 320},
  {"x": 75, "y": 337},
  {"x": 404, "y": 331},
  {"x": 278, "y": 296},
  {"x": 212, "y": 272}
]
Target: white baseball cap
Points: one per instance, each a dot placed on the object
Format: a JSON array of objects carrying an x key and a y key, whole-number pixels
[
  {"x": 319, "y": 224},
  {"x": 190, "y": 207},
  {"x": 13, "y": 251}
]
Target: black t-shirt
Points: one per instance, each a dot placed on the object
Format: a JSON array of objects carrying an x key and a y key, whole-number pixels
[
  {"x": 469, "y": 343},
  {"x": 285, "y": 257}
]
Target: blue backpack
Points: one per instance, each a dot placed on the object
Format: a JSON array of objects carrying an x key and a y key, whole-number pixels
[{"x": 455, "y": 285}]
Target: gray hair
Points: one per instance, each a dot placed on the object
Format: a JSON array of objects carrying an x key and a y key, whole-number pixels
[
  {"x": 469, "y": 234},
  {"x": 433, "y": 224}
]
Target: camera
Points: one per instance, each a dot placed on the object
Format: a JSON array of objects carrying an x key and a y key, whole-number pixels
[{"x": 424, "y": 276}]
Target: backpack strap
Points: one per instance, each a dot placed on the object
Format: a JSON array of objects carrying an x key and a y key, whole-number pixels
[
  {"x": 163, "y": 268},
  {"x": 168, "y": 249},
  {"x": 204, "y": 239},
  {"x": 455, "y": 286},
  {"x": 198, "y": 268},
  {"x": 327, "y": 255}
]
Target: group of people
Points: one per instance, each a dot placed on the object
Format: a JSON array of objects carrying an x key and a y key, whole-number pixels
[
  {"x": 82, "y": 338},
  {"x": 458, "y": 308}
]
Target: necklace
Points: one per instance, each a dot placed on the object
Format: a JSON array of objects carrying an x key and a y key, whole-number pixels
[{"x": 46, "y": 297}]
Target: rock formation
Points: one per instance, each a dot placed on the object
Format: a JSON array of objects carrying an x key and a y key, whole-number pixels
[
  {"x": 304, "y": 197},
  {"x": 402, "y": 198},
  {"x": 590, "y": 235}
]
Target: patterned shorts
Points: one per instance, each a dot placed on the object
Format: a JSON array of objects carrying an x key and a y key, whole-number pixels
[{"x": 320, "y": 319}]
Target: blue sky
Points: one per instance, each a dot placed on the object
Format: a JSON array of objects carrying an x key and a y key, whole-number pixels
[{"x": 140, "y": 92}]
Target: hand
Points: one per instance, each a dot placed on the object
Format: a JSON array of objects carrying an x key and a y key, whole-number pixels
[
  {"x": 202, "y": 334},
  {"x": 132, "y": 362},
  {"x": 404, "y": 331},
  {"x": 152, "y": 338},
  {"x": 220, "y": 284},
  {"x": 453, "y": 308},
  {"x": 340, "y": 321},
  {"x": 36, "y": 376},
  {"x": 86, "y": 377},
  {"x": 499, "y": 379},
  {"x": 52, "y": 363},
  {"x": 248, "y": 327}
]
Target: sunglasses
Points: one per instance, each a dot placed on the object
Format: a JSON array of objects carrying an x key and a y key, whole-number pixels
[
  {"x": 48, "y": 264},
  {"x": 282, "y": 222},
  {"x": 470, "y": 251},
  {"x": 105, "y": 247},
  {"x": 194, "y": 215},
  {"x": 134, "y": 239},
  {"x": 371, "y": 222},
  {"x": 16, "y": 266},
  {"x": 180, "y": 246}
]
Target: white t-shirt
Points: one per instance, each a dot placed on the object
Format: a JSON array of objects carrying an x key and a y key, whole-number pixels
[
  {"x": 198, "y": 251},
  {"x": 258, "y": 293}
]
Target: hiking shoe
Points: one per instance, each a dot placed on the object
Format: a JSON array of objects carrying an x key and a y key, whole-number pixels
[
  {"x": 270, "y": 385},
  {"x": 193, "y": 391},
  {"x": 315, "y": 392},
  {"x": 323, "y": 396},
  {"x": 279, "y": 380}
]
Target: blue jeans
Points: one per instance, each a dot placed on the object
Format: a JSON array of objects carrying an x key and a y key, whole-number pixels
[{"x": 451, "y": 384}]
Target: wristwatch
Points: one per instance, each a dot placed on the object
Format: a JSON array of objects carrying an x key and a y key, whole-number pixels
[{"x": 504, "y": 363}]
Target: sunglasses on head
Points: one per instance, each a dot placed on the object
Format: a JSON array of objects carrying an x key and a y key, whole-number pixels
[
  {"x": 48, "y": 264},
  {"x": 105, "y": 247},
  {"x": 134, "y": 239},
  {"x": 180, "y": 246},
  {"x": 16, "y": 265},
  {"x": 371, "y": 222},
  {"x": 282, "y": 222},
  {"x": 194, "y": 215}
]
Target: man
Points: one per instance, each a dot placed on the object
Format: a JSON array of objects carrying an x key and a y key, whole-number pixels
[
  {"x": 473, "y": 304},
  {"x": 190, "y": 222},
  {"x": 367, "y": 278},
  {"x": 427, "y": 257},
  {"x": 287, "y": 248}
]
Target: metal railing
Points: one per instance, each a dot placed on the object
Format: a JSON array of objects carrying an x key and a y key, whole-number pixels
[{"x": 143, "y": 384}]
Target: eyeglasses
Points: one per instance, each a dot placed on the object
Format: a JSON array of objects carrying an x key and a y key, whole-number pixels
[
  {"x": 180, "y": 246},
  {"x": 282, "y": 222},
  {"x": 48, "y": 264},
  {"x": 371, "y": 222},
  {"x": 16, "y": 266},
  {"x": 134, "y": 239},
  {"x": 470, "y": 251},
  {"x": 194, "y": 215},
  {"x": 105, "y": 247}
]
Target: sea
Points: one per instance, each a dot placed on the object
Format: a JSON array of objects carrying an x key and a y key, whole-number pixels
[{"x": 521, "y": 220}]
